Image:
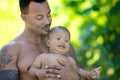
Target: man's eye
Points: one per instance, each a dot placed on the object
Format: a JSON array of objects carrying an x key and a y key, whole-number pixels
[{"x": 39, "y": 17}]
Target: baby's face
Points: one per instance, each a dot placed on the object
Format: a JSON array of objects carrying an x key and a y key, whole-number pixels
[{"x": 59, "y": 42}]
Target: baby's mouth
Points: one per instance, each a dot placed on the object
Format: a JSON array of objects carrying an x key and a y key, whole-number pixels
[{"x": 61, "y": 46}]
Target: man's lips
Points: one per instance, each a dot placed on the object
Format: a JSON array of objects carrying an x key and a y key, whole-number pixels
[{"x": 47, "y": 29}]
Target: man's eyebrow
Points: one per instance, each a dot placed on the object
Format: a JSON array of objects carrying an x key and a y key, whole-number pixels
[
  {"x": 47, "y": 13},
  {"x": 39, "y": 15}
]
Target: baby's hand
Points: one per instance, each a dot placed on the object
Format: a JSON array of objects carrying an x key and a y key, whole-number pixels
[{"x": 95, "y": 73}]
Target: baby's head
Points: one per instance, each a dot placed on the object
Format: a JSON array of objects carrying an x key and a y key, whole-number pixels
[{"x": 59, "y": 40}]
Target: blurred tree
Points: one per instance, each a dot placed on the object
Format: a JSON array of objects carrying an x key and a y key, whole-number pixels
[{"x": 112, "y": 36}]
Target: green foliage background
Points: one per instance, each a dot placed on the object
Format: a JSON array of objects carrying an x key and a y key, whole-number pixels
[{"x": 94, "y": 27}]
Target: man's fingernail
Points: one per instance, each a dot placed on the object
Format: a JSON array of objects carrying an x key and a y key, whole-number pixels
[
  {"x": 46, "y": 76},
  {"x": 46, "y": 67}
]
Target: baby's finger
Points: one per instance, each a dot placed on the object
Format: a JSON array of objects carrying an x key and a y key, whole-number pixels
[{"x": 99, "y": 68}]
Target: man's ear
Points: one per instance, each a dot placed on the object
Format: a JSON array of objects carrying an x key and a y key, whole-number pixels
[{"x": 23, "y": 16}]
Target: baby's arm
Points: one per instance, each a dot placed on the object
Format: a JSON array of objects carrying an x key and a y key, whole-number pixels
[
  {"x": 95, "y": 73},
  {"x": 35, "y": 69}
]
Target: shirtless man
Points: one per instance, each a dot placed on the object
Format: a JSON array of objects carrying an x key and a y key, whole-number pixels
[{"x": 19, "y": 54}]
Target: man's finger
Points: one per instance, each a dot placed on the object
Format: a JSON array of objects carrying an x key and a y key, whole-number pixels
[
  {"x": 51, "y": 75},
  {"x": 61, "y": 62},
  {"x": 57, "y": 67},
  {"x": 53, "y": 71}
]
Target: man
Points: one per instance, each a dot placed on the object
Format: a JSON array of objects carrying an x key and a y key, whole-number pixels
[{"x": 19, "y": 54}]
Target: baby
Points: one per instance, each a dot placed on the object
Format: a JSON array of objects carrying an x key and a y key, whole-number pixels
[{"x": 58, "y": 42}]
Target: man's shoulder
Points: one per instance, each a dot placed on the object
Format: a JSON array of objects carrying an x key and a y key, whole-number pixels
[
  {"x": 11, "y": 47},
  {"x": 13, "y": 44}
]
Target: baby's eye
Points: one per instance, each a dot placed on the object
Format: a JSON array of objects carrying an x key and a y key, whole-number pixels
[
  {"x": 66, "y": 40},
  {"x": 58, "y": 38}
]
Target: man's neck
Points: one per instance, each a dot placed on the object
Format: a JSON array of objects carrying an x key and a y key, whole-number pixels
[{"x": 31, "y": 37}]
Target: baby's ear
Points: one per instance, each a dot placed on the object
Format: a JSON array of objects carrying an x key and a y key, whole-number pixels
[{"x": 47, "y": 42}]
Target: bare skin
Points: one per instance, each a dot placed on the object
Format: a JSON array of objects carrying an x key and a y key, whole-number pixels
[
  {"x": 20, "y": 53},
  {"x": 31, "y": 50},
  {"x": 38, "y": 69},
  {"x": 58, "y": 42}
]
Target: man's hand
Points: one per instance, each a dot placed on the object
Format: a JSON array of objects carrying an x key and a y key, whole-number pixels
[
  {"x": 63, "y": 71},
  {"x": 40, "y": 74},
  {"x": 37, "y": 73}
]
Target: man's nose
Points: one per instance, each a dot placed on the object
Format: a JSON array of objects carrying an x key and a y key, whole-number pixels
[{"x": 47, "y": 20}]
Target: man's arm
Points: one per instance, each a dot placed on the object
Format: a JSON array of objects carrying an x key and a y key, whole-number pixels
[
  {"x": 8, "y": 60},
  {"x": 4, "y": 57}
]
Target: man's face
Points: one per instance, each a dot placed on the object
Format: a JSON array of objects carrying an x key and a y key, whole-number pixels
[
  {"x": 38, "y": 18},
  {"x": 59, "y": 42}
]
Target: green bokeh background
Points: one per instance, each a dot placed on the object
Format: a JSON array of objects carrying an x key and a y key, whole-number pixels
[{"x": 94, "y": 27}]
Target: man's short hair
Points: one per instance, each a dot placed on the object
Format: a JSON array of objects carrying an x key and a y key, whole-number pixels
[{"x": 23, "y": 4}]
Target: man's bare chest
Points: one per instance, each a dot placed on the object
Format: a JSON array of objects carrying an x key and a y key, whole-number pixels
[{"x": 27, "y": 55}]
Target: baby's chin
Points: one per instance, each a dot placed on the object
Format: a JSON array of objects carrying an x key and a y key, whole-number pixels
[
  {"x": 59, "y": 52},
  {"x": 63, "y": 53}
]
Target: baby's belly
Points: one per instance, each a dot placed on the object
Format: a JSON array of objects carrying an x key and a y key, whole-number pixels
[{"x": 49, "y": 62}]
